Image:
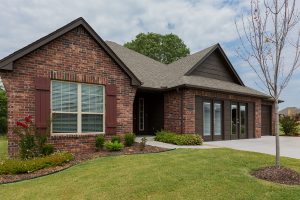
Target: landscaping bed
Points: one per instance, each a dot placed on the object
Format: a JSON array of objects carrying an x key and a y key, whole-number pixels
[
  {"x": 78, "y": 158},
  {"x": 278, "y": 175}
]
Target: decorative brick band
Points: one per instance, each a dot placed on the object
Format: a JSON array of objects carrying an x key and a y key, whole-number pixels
[{"x": 75, "y": 77}]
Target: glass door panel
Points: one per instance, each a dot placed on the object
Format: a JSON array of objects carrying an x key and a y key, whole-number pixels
[
  {"x": 234, "y": 119},
  {"x": 243, "y": 121},
  {"x": 217, "y": 118},
  {"x": 206, "y": 118}
]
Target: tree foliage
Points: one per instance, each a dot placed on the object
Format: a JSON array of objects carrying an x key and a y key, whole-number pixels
[
  {"x": 3, "y": 111},
  {"x": 163, "y": 48}
]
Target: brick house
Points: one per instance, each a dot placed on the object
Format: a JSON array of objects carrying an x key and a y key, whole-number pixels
[{"x": 89, "y": 87}]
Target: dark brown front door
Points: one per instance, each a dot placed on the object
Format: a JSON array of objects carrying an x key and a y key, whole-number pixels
[
  {"x": 238, "y": 121},
  {"x": 266, "y": 112}
]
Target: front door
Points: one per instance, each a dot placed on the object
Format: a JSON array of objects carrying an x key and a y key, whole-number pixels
[
  {"x": 212, "y": 120},
  {"x": 238, "y": 121}
]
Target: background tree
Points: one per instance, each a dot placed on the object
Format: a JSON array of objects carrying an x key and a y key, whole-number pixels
[
  {"x": 163, "y": 48},
  {"x": 270, "y": 45},
  {"x": 3, "y": 111}
]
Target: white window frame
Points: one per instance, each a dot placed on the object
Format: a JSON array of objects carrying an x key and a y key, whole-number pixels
[
  {"x": 79, "y": 111},
  {"x": 141, "y": 128}
]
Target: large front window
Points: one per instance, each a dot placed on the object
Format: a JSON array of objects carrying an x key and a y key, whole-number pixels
[{"x": 77, "y": 107}]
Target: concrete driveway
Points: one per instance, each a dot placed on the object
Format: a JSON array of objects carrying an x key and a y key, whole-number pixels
[{"x": 290, "y": 146}]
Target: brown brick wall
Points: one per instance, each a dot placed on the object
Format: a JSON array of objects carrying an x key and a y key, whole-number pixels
[
  {"x": 173, "y": 108},
  {"x": 74, "y": 56}
]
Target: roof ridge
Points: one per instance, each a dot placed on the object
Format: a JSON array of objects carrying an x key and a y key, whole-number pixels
[{"x": 108, "y": 41}]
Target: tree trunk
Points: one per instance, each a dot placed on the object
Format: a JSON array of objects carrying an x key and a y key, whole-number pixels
[{"x": 277, "y": 163}]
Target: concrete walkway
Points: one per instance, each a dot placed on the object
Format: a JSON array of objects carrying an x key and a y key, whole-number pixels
[
  {"x": 290, "y": 146},
  {"x": 152, "y": 142}
]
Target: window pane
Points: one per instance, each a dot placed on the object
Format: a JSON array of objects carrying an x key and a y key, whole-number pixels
[
  {"x": 243, "y": 119},
  {"x": 64, "y": 96},
  {"x": 92, "y": 98},
  {"x": 141, "y": 114},
  {"x": 233, "y": 119},
  {"x": 64, "y": 123},
  {"x": 92, "y": 123},
  {"x": 206, "y": 118},
  {"x": 217, "y": 118}
]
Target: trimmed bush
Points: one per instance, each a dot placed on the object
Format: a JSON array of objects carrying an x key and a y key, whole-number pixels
[
  {"x": 100, "y": 142},
  {"x": 178, "y": 139},
  {"x": 47, "y": 149},
  {"x": 289, "y": 126},
  {"x": 114, "y": 146},
  {"x": 116, "y": 138},
  {"x": 16, "y": 166},
  {"x": 129, "y": 139}
]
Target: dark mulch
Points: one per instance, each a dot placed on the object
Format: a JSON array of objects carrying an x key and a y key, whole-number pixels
[
  {"x": 278, "y": 175},
  {"x": 135, "y": 149}
]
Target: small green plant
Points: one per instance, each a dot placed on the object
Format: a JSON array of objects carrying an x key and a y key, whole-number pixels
[
  {"x": 178, "y": 139},
  {"x": 289, "y": 126},
  {"x": 47, "y": 149},
  {"x": 116, "y": 138},
  {"x": 143, "y": 143},
  {"x": 100, "y": 142},
  {"x": 114, "y": 146},
  {"x": 17, "y": 166},
  {"x": 129, "y": 139}
]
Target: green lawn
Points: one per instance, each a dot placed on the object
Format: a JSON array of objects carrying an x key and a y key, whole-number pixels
[
  {"x": 3, "y": 147},
  {"x": 178, "y": 174}
]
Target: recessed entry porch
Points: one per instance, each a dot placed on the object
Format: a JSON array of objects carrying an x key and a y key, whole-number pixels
[{"x": 148, "y": 112}]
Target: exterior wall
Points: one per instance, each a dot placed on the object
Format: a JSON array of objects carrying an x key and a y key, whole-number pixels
[
  {"x": 76, "y": 57},
  {"x": 173, "y": 107}
]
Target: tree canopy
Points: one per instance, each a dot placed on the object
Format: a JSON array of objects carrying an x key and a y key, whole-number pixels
[{"x": 163, "y": 48}]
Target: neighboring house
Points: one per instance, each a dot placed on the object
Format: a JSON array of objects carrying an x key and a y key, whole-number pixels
[
  {"x": 291, "y": 112},
  {"x": 91, "y": 87}
]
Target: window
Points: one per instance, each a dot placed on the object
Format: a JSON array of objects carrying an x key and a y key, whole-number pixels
[
  {"x": 77, "y": 108},
  {"x": 206, "y": 118},
  {"x": 217, "y": 118},
  {"x": 141, "y": 114}
]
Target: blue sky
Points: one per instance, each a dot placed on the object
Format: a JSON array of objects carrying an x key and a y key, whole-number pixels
[{"x": 200, "y": 23}]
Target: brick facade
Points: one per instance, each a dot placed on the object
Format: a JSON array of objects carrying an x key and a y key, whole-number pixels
[
  {"x": 76, "y": 57},
  {"x": 174, "y": 107}
]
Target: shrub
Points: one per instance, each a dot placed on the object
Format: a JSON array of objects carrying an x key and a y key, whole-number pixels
[
  {"x": 27, "y": 147},
  {"x": 116, "y": 138},
  {"x": 16, "y": 166},
  {"x": 289, "y": 126},
  {"x": 100, "y": 142},
  {"x": 129, "y": 139},
  {"x": 47, "y": 149},
  {"x": 143, "y": 143},
  {"x": 178, "y": 139},
  {"x": 114, "y": 146}
]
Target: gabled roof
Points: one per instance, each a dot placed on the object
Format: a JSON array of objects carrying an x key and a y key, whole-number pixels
[
  {"x": 8, "y": 62},
  {"x": 145, "y": 71},
  {"x": 156, "y": 75}
]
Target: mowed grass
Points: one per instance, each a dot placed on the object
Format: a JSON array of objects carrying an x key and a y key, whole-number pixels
[
  {"x": 178, "y": 174},
  {"x": 3, "y": 147}
]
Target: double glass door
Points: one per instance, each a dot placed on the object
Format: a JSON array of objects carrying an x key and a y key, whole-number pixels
[
  {"x": 238, "y": 121},
  {"x": 212, "y": 120}
]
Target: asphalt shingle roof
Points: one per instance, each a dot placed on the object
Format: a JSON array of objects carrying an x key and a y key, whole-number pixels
[{"x": 154, "y": 74}]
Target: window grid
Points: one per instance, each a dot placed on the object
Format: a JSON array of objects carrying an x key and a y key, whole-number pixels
[{"x": 79, "y": 112}]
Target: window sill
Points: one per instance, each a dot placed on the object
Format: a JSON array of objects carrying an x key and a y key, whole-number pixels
[{"x": 74, "y": 134}]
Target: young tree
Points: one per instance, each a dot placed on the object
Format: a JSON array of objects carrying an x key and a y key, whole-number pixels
[
  {"x": 270, "y": 45},
  {"x": 163, "y": 48}
]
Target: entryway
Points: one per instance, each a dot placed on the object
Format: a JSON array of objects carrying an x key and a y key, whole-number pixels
[
  {"x": 238, "y": 121},
  {"x": 148, "y": 112},
  {"x": 266, "y": 120}
]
